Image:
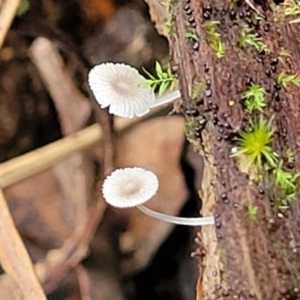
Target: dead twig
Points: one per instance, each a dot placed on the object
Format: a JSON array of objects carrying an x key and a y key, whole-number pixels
[
  {"x": 69, "y": 101},
  {"x": 59, "y": 262},
  {"x": 7, "y": 14},
  {"x": 38, "y": 160},
  {"x": 14, "y": 257},
  {"x": 84, "y": 283},
  {"x": 29, "y": 164},
  {"x": 73, "y": 108}
]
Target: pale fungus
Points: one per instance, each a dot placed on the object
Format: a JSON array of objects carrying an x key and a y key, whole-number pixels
[
  {"x": 131, "y": 187},
  {"x": 121, "y": 88}
]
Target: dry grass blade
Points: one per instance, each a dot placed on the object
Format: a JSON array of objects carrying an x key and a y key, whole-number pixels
[
  {"x": 7, "y": 14},
  {"x": 38, "y": 160},
  {"x": 26, "y": 165},
  {"x": 14, "y": 257}
]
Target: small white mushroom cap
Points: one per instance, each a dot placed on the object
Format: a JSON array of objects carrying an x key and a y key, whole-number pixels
[
  {"x": 120, "y": 87},
  {"x": 129, "y": 187}
]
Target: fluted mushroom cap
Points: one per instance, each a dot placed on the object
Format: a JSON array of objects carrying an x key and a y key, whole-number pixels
[
  {"x": 129, "y": 187},
  {"x": 120, "y": 87}
]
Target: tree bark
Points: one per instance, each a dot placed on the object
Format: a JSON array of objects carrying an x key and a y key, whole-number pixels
[{"x": 241, "y": 257}]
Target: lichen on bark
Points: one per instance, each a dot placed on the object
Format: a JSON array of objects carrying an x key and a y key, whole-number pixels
[{"x": 243, "y": 257}]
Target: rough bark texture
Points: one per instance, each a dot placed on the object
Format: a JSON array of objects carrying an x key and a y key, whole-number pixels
[{"x": 240, "y": 258}]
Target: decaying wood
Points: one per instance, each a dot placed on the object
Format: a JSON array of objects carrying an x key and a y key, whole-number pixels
[
  {"x": 240, "y": 258},
  {"x": 15, "y": 259},
  {"x": 159, "y": 15}
]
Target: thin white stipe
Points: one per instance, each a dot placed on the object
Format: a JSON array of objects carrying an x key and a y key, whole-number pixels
[
  {"x": 177, "y": 220},
  {"x": 167, "y": 98}
]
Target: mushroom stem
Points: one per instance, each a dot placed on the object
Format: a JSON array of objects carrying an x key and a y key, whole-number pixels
[
  {"x": 167, "y": 98},
  {"x": 177, "y": 220}
]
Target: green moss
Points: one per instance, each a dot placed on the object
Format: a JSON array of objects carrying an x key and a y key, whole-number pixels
[
  {"x": 190, "y": 129},
  {"x": 214, "y": 38},
  {"x": 252, "y": 212},
  {"x": 166, "y": 4},
  {"x": 192, "y": 36},
  {"x": 284, "y": 179},
  {"x": 249, "y": 39},
  {"x": 255, "y": 144},
  {"x": 280, "y": 182},
  {"x": 286, "y": 182},
  {"x": 198, "y": 88},
  {"x": 254, "y": 98},
  {"x": 283, "y": 54},
  {"x": 164, "y": 79},
  {"x": 283, "y": 79},
  {"x": 293, "y": 10},
  {"x": 170, "y": 25},
  {"x": 289, "y": 156},
  {"x": 23, "y": 7}
]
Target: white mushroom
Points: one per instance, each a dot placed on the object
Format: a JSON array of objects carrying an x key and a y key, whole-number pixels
[
  {"x": 131, "y": 187},
  {"x": 121, "y": 87}
]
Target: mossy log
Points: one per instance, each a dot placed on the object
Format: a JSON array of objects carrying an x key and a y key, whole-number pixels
[{"x": 253, "y": 252}]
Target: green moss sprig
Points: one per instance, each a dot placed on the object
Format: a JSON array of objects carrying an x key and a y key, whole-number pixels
[
  {"x": 197, "y": 89},
  {"x": 214, "y": 38},
  {"x": 254, "y": 98},
  {"x": 170, "y": 25},
  {"x": 293, "y": 10},
  {"x": 255, "y": 147},
  {"x": 286, "y": 182},
  {"x": 290, "y": 156},
  {"x": 283, "y": 79},
  {"x": 189, "y": 130},
  {"x": 252, "y": 212},
  {"x": 164, "y": 80},
  {"x": 166, "y": 4},
  {"x": 23, "y": 7},
  {"x": 192, "y": 36},
  {"x": 255, "y": 144},
  {"x": 247, "y": 38},
  {"x": 283, "y": 54},
  {"x": 285, "y": 179}
]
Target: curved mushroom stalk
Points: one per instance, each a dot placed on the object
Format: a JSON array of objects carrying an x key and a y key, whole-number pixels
[
  {"x": 131, "y": 187},
  {"x": 167, "y": 98},
  {"x": 177, "y": 220}
]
